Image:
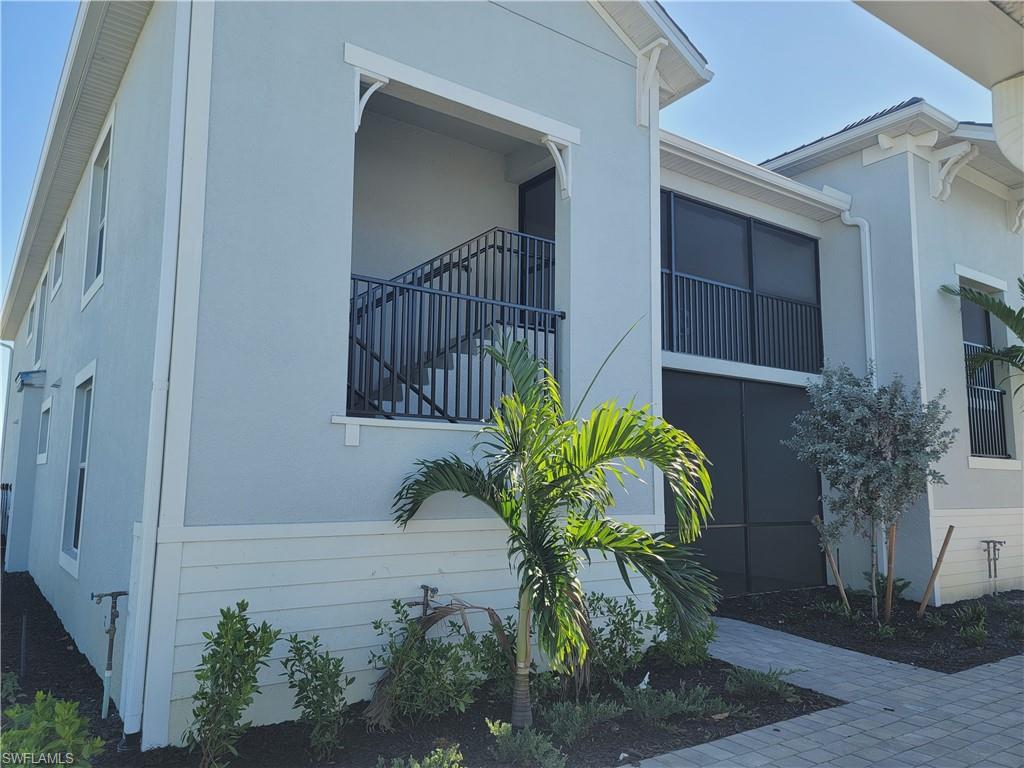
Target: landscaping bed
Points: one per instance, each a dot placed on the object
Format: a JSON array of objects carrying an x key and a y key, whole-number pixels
[
  {"x": 56, "y": 665},
  {"x": 934, "y": 643}
]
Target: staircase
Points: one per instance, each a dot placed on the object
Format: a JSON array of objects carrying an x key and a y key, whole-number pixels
[{"x": 417, "y": 341}]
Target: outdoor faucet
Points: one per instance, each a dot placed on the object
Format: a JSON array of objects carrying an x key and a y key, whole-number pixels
[{"x": 110, "y": 631}]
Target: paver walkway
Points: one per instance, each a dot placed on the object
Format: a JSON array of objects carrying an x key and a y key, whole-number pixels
[{"x": 897, "y": 716}]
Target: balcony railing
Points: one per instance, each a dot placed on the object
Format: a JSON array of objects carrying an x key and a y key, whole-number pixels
[
  {"x": 711, "y": 319},
  {"x": 985, "y": 404}
]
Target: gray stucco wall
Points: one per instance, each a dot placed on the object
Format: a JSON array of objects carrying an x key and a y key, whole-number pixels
[
  {"x": 116, "y": 329},
  {"x": 271, "y": 351}
]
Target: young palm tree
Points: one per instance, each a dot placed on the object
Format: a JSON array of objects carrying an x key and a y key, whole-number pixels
[
  {"x": 1013, "y": 355},
  {"x": 550, "y": 479}
]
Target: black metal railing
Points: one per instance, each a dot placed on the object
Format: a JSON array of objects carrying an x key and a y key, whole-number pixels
[
  {"x": 985, "y": 403},
  {"x": 711, "y": 319},
  {"x": 416, "y": 351}
]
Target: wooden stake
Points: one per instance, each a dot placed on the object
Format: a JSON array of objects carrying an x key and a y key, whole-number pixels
[
  {"x": 834, "y": 567},
  {"x": 890, "y": 564},
  {"x": 935, "y": 572}
]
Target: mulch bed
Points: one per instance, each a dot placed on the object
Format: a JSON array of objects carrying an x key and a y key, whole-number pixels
[
  {"x": 56, "y": 665},
  {"x": 916, "y": 642}
]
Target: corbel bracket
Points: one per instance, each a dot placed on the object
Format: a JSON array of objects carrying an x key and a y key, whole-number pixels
[
  {"x": 646, "y": 75},
  {"x": 373, "y": 83},
  {"x": 563, "y": 166},
  {"x": 1015, "y": 212},
  {"x": 946, "y": 164}
]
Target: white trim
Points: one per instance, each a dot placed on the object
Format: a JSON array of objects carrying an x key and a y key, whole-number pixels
[
  {"x": 654, "y": 260},
  {"x": 375, "y": 83},
  {"x": 561, "y": 153},
  {"x": 677, "y": 361},
  {"x": 439, "y": 426},
  {"x": 978, "y": 276},
  {"x": 30, "y": 312},
  {"x": 459, "y": 94},
  {"x": 106, "y": 137},
  {"x": 68, "y": 561},
  {"x": 46, "y": 407},
  {"x": 63, "y": 243},
  {"x": 984, "y": 462},
  {"x": 614, "y": 25},
  {"x": 42, "y": 302},
  {"x": 945, "y": 164},
  {"x": 646, "y": 70}
]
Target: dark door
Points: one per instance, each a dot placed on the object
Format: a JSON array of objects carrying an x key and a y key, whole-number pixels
[
  {"x": 761, "y": 537},
  {"x": 536, "y": 259}
]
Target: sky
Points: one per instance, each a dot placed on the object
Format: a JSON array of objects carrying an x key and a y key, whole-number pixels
[{"x": 785, "y": 73}]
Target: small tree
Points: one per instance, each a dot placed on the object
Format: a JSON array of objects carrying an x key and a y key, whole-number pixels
[{"x": 875, "y": 446}]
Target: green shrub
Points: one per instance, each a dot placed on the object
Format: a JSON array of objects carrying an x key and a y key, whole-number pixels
[
  {"x": 617, "y": 642},
  {"x": 684, "y": 648},
  {"x": 899, "y": 586},
  {"x": 970, "y": 614},
  {"x": 834, "y": 608},
  {"x": 973, "y": 635},
  {"x": 754, "y": 684},
  {"x": 1015, "y": 629},
  {"x": 319, "y": 682},
  {"x": 655, "y": 706},
  {"x": 885, "y": 632},
  {"x": 525, "y": 748},
  {"x": 428, "y": 675},
  {"x": 569, "y": 721},
  {"x": 442, "y": 757},
  {"x": 48, "y": 728},
  {"x": 492, "y": 660},
  {"x": 10, "y": 688},
  {"x": 934, "y": 620},
  {"x": 232, "y": 658}
]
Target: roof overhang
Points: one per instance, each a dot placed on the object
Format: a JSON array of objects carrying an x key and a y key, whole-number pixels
[
  {"x": 699, "y": 161},
  {"x": 979, "y": 38},
  {"x": 102, "y": 42},
  {"x": 639, "y": 24}
]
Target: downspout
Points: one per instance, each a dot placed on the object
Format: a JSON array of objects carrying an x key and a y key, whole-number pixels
[
  {"x": 9, "y": 346},
  {"x": 140, "y": 608}
]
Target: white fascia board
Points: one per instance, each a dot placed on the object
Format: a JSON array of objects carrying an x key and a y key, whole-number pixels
[
  {"x": 681, "y": 46},
  {"x": 974, "y": 132},
  {"x": 936, "y": 119},
  {"x": 750, "y": 173}
]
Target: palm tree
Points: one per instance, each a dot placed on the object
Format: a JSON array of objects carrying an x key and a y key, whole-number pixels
[
  {"x": 550, "y": 479},
  {"x": 1013, "y": 355}
]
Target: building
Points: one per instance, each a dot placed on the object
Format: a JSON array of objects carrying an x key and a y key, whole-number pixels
[{"x": 267, "y": 243}]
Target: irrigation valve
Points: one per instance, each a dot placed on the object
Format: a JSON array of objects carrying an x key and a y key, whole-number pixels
[
  {"x": 110, "y": 631},
  {"x": 992, "y": 554}
]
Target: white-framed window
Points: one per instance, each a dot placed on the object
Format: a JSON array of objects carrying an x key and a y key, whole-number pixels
[
  {"x": 57, "y": 265},
  {"x": 41, "y": 303},
  {"x": 78, "y": 469},
  {"x": 31, "y": 321},
  {"x": 43, "y": 444},
  {"x": 96, "y": 247}
]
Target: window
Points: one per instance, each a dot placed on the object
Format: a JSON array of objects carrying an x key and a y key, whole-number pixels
[
  {"x": 44, "y": 431},
  {"x": 40, "y": 317},
  {"x": 78, "y": 469},
  {"x": 738, "y": 289},
  {"x": 986, "y": 410},
  {"x": 97, "y": 245},
  {"x": 57, "y": 268},
  {"x": 31, "y": 321}
]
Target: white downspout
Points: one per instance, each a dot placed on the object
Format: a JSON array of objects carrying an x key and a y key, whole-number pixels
[{"x": 133, "y": 679}]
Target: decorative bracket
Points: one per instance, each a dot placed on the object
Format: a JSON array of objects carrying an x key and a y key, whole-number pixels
[
  {"x": 374, "y": 83},
  {"x": 646, "y": 72},
  {"x": 563, "y": 163},
  {"x": 1015, "y": 211},
  {"x": 946, "y": 164}
]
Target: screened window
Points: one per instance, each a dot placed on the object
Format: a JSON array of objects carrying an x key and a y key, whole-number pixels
[
  {"x": 57, "y": 270},
  {"x": 44, "y": 431},
  {"x": 986, "y": 399},
  {"x": 41, "y": 303},
  {"x": 97, "y": 250},
  {"x": 711, "y": 243},
  {"x": 78, "y": 469},
  {"x": 31, "y": 320}
]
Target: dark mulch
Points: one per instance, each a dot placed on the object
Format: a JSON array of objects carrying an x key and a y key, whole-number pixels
[
  {"x": 56, "y": 665},
  {"x": 916, "y": 642}
]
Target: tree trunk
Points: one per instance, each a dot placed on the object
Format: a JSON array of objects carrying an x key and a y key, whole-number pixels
[
  {"x": 874, "y": 571},
  {"x": 522, "y": 709},
  {"x": 890, "y": 570}
]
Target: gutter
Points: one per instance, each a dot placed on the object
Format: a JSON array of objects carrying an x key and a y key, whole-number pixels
[{"x": 136, "y": 651}]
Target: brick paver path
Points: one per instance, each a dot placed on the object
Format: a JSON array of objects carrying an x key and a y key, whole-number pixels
[{"x": 897, "y": 715}]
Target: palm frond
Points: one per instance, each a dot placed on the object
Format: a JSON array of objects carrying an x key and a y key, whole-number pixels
[
  {"x": 450, "y": 473},
  {"x": 994, "y": 305}
]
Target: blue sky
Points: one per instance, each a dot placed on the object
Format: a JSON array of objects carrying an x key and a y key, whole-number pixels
[{"x": 784, "y": 73}]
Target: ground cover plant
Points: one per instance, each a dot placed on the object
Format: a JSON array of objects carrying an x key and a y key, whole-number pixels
[{"x": 49, "y": 729}]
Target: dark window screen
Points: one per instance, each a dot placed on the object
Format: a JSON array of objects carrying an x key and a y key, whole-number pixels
[
  {"x": 711, "y": 243},
  {"x": 537, "y": 206},
  {"x": 785, "y": 264},
  {"x": 783, "y": 556},
  {"x": 666, "y": 230},
  {"x": 974, "y": 319}
]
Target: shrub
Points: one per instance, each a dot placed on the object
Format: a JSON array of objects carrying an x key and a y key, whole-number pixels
[
  {"x": 319, "y": 682},
  {"x": 685, "y": 648},
  {"x": 617, "y": 643},
  {"x": 428, "y": 676},
  {"x": 973, "y": 635},
  {"x": 656, "y": 706},
  {"x": 525, "y": 748},
  {"x": 754, "y": 684},
  {"x": 1015, "y": 629},
  {"x": 492, "y": 660},
  {"x": 232, "y": 658},
  {"x": 885, "y": 632},
  {"x": 970, "y": 614},
  {"x": 49, "y": 727},
  {"x": 442, "y": 757},
  {"x": 1000, "y": 606},
  {"x": 569, "y": 721},
  {"x": 834, "y": 608},
  {"x": 899, "y": 586},
  {"x": 10, "y": 688},
  {"x": 934, "y": 620}
]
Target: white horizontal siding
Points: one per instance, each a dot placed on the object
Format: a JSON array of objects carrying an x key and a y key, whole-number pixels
[{"x": 964, "y": 571}]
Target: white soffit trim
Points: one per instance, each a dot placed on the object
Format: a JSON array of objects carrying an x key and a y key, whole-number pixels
[
  {"x": 102, "y": 42},
  {"x": 695, "y": 160}
]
